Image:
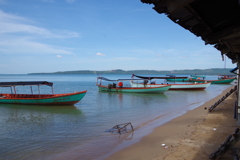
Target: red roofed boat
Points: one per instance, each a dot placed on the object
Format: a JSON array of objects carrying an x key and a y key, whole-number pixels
[{"x": 38, "y": 99}]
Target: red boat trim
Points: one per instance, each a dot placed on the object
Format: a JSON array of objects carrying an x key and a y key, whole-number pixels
[
  {"x": 187, "y": 88},
  {"x": 55, "y": 103},
  {"x": 133, "y": 87}
]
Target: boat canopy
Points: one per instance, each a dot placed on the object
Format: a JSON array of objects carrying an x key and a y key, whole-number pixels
[
  {"x": 25, "y": 83},
  {"x": 172, "y": 77},
  {"x": 103, "y": 78},
  {"x": 230, "y": 75},
  {"x": 195, "y": 75}
]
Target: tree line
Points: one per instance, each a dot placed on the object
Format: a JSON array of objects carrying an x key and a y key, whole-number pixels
[{"x": 212, "y": 71}]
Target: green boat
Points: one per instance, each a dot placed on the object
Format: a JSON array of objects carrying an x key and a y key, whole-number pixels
[
  {"x": 173, "y": 78},
  {"x": 220, "y": 77},
  {"x": 38, "y": 99},
  {"x": 112, "y": 87},
  {"x": 198, "y": 76},
  {"x": 178, "y": 80},
  {"x": 222, "y": 81}
]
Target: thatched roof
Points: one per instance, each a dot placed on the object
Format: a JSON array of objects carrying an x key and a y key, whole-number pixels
[{"x": 217, "y": 22}]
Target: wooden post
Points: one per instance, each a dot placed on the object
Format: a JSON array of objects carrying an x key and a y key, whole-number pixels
[
  {"x": 31, "y": 89},
  {"x": 11, "y": 90},
  {"x": 52, "y": 90},
  {"x": 38, "y": 91},
  {"x": 14, "y": 90},
  {"x": 238, "y": 96}
]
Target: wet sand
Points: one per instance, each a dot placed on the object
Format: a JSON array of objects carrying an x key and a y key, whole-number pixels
[{"x": 192, "y": 136}]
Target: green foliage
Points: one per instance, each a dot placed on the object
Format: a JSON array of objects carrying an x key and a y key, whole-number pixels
[{"x": 212, "y": 71}]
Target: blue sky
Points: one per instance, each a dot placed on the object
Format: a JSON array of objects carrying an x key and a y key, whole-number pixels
[{"x": 70, "y": 35}]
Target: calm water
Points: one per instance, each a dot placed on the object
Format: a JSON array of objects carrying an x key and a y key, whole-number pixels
[{"x": 78, "y": 132}]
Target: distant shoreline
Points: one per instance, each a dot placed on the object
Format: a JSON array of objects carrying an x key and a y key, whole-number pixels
[{"x": 212, "y": 71}]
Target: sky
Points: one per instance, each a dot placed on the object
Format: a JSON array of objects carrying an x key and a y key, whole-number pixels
[{"x": 39, "y": 36}]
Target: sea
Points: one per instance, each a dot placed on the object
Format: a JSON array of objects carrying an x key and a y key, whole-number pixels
[{"x": 85, "y": 131}]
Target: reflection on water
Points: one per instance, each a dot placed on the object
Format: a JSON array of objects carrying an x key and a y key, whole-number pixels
[
  {"x": 78, "y": 132},
  {"x": 44, "y": 108},
  {"x": 24, "y": 127}
]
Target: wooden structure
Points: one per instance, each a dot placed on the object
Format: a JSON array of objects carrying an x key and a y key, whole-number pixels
[
  {"x": 217, "y": 22},
  {"x": 38, "y": 99},
  {"x": 222, "y": 99},
  {"x": 120, "y": 128},
  {"x": 229, "y": 142}
]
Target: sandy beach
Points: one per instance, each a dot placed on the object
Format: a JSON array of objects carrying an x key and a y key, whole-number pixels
[{"x": 192, "y": 136}]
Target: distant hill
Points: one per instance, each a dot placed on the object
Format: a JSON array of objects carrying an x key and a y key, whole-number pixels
[{"x": 212, "y": 71}]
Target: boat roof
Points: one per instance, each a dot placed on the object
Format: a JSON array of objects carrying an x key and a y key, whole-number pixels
[
  {"x": 195, "y": 75},
  {"x": 172, "y": 77},
  {"x": 106, "y": 79},
  {"x": 230, "y": 75},
  {"x": 25, "y": 83}
]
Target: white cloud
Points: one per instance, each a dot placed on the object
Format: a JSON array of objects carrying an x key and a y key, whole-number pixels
[
  {"x": 4, "y": 17},
  {"x": 100, "y": 54},
  {"x": 13, "y": 27},
  {"x": 26, "y": 46},
  {"x": 15, "y": 24},
  {"x": 20, "y": 35},
  {"x": 59, "y": 56}
]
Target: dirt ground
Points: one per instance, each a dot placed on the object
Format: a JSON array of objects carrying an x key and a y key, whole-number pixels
[{"x": 192, "y": 136}]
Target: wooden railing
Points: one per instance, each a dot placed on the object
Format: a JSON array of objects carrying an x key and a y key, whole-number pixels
[{"x": 230, "y": 141}]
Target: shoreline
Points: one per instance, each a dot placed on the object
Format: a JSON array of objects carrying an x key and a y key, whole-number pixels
[{"x": 193, "y": 135}]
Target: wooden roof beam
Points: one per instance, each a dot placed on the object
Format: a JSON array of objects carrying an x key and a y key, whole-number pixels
[
  {"x": 174, "y": 5},
  {"x": 199, "y": 18},
  {"x": 215, "y": 37}
]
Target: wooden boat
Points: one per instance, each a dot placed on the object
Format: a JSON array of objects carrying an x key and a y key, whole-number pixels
[
  {"x": 220, "y": 77},
  {"x": 198, "y": 76},
  {"x": 222, "y": 81},
  {"x": 173, "y": 78},
  {"x": 189, "y": 86},
  {"x": 112, "y": 87},
  {"x": 178, "y": 80},
  {"x": 185, "y": 86},
  {"x": 38, "y": 99}
]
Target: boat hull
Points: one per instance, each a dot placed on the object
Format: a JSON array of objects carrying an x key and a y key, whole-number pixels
[
  {"x": 192, "y": 86},
  {"x": 56, "y": 99},
  {"x": 160, "y": 89},
  {"x": 222, "y": 81},
  {"x": 178, "y": 80}
]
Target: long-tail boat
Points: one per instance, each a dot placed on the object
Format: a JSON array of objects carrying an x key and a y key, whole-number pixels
[
  {"x": 220, "y": 77},
  {"x": 38, "y": 99},
  {"x": 113, "y": 87},
  {"x": 221, "y": 81},
  {"x": 173, "y": 78},
  {"x": 183, "y": 86}
]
